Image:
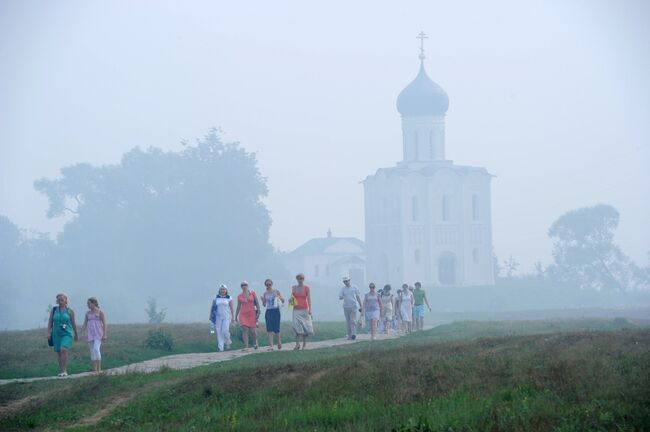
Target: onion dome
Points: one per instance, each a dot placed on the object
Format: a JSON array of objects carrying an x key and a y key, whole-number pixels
[{"x": 422, "y": 97}]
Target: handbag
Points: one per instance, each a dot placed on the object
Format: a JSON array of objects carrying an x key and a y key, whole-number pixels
[{"x": 50, "y": 342}]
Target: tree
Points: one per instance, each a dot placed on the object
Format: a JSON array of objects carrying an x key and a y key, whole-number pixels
[
  {"x": 155, "y": 316},
  {"x": 510, "y": 265},
  {"x": 585, "y": 254},
  {"x": 169, "y": 224},
  {"x": 10, "y": 239}
]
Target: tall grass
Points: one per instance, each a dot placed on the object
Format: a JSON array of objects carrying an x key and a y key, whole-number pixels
[{"x": 460, "y": 377}]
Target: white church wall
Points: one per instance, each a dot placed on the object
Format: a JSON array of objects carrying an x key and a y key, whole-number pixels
[{"x": 413, "y": 213}]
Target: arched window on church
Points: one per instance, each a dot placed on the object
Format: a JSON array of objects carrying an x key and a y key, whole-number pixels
[
  {"x": 316, "y": 270},
  {"x": 475, "y": 207},
  {"x": 432, "y": 150},
  {"x": 416, "y": 256},
  {"x": 475, "y": 255},
  {"x": 446, "y": 208},
  {"x": 416, "y": 146},
  {"x": 414, "y": 209}
]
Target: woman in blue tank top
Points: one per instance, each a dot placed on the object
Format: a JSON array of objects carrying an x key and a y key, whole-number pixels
[{"x": 62, "y": 328}]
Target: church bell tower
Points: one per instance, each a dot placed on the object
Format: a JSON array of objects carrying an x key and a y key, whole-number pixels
[{"x": 423, "y": 105}]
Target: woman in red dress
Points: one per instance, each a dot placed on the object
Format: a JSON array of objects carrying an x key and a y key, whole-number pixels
[{"x": 247, "y": 313}]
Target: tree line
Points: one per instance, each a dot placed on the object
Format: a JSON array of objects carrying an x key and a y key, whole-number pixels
[
  {"x": 165, "y": 225},
  {"x": 172, "y": 225}
]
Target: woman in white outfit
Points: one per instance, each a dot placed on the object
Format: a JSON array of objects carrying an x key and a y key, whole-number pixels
[
  {"x": 387, "y": 307},
  {"x": 406, "y": 308},
  {"x": 221, "y": 314}
]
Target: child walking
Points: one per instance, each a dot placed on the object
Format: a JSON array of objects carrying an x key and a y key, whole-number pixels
[{"x": 95, "y": 327}]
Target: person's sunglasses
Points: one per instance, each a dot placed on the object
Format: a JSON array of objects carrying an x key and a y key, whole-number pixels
[
  {"x": 268, "y": 284},
  {"x": 243, "y": 285}
]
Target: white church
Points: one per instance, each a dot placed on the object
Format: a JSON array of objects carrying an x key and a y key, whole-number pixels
[{"x": 426, "y": 218}]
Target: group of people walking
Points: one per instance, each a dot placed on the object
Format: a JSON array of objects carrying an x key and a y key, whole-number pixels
[
  {"x": 382, "y": 310},
  {"x": 248, "y": 312},
  {"x": 62, "y": 329}
]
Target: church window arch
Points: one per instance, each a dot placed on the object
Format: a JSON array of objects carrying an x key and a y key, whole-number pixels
[
  {"x": 446, "y": 208},
  {"x": 475, "y": 255},
  {"x": 416, "y": 256},
  {"x": 416, "y": 146},
  {"x": 475, "y": 207},
  {"x": 316, "y": 270},
  {"x": 414, "y": 209},
  {"x": 447, "y": 268}
]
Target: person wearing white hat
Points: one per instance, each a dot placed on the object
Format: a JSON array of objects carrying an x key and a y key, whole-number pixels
[
  {"x": 351, "y": 303},
  {"x": 221, "y": 314}
]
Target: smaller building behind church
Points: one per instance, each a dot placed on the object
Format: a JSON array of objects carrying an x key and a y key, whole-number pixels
[{"x": 325, "y": 260}]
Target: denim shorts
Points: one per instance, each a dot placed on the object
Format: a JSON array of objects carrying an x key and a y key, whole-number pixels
[{"x": 418, "y": 311}]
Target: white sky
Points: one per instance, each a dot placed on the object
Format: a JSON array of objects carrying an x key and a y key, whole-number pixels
[{"x": 552, "y": 97}]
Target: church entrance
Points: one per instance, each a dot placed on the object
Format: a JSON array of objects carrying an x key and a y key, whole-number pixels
[{"x": 447, "y": 269}]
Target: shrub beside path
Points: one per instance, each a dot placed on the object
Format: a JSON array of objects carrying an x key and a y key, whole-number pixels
[{"x": 186, "y": 361}]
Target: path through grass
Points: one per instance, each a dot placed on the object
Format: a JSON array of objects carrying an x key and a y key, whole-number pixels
[
  {"x": 464, "y": 376},
  {"x": 125, "y": 346}
]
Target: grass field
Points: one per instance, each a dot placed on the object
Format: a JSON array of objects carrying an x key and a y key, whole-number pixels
[
  {"x": 578, "y": 375},
  {"x": 125, "y": 345}
]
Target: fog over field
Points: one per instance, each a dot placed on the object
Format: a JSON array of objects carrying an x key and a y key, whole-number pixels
[{"x": 552, "y": 98}]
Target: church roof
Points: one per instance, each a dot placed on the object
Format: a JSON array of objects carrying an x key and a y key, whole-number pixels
[
  {"x": 350, "y": 259},
  {"x": 422, "y": 97},
  {"x": 327, "y": 246},
  {"x": 427, "y": 170}
]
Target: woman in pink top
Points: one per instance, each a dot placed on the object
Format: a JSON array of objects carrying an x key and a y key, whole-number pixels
[
  {"x": 95, "y": 326},
  {"x": 247, "y": 313}
]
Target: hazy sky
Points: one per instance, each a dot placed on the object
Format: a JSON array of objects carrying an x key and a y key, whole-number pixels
[{"x": 552, "y": 97}]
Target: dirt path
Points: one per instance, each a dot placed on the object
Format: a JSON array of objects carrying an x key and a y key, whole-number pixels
[
  {"x": 15, "y": 406},
  {"x": 186, "y": 361}
]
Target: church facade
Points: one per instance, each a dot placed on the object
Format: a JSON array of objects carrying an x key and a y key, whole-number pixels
[{"x": 426, "y": 218}]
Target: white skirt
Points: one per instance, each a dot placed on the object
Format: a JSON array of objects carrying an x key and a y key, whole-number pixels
[
  {"x": 406, "y": 311},
  {"x": 372, "y": 315}
]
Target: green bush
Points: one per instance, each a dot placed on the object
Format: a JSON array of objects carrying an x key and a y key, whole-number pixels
[{"x": 159, "y": 339}]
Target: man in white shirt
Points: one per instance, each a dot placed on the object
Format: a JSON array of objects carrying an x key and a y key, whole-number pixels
[{"x": 351, "y": 303}]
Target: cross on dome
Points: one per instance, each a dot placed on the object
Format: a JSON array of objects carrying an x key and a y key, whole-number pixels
[
  {"x": 422, "y": 37},
  {"x": 422, "y": 97}
]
